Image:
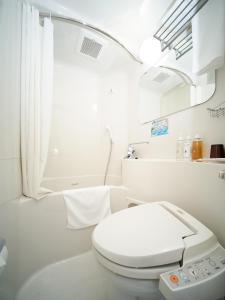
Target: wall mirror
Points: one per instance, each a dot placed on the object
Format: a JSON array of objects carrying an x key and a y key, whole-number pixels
[{"x": 164, "y": 90}]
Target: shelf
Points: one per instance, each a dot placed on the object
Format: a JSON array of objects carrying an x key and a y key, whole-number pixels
[
  {"x": 219, "y": 161},
  {"x": 212, "y": 160}
]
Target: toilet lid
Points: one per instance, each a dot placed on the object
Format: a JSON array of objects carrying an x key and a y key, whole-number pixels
[{"x": 143, "y": 236}]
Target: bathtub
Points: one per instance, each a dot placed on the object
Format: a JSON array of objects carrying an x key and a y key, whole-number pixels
[
  {"x": 45, "y": 242},
  {"x": 65, "y": 183},
  {"x": 77, "y": 278}
]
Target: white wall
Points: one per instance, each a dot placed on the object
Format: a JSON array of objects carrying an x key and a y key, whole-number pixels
[
  {"x": 76, "y": 127},
  {"x": 9, "y": 105},
  {"x": 10, "y": 179},
  {"x": 85, "y": 102},
  {"x": 114, "y": 103}
]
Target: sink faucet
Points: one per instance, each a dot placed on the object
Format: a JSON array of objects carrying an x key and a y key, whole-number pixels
[{"x": 131, "y": 152}]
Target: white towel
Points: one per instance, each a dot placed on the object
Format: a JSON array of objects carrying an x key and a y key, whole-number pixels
[
  {"x": 87, "y": 206},
  {"x": 208, "y": 35}
]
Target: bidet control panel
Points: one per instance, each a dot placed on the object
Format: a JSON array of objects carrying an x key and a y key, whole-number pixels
[{"x": 203, "y": 279}]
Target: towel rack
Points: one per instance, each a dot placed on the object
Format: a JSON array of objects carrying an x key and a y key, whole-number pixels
[
  {"x": 175, "y": 32},
  {"x": 217, "y": 111}
]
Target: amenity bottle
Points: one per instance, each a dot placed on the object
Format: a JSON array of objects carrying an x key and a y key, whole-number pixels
[
  {"x": 180, "y": 148},
  {"x": 188, "y": 148},
  {"x": 197, "y": 148}
]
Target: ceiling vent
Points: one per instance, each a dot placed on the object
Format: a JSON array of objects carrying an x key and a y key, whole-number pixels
[
  {"x": 161, "y": 77},
  {"x": 90, "y": 44},
  {"x": 90, "y": 47}
]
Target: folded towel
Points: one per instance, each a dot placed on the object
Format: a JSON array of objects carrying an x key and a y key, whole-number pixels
[
  {"x": 87, "y": 206},
  {"x": 208, "y": 35}
]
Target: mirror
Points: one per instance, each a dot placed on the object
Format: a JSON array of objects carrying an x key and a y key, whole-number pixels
[
  {"x": 165, "y": 90},
  {"x": 171, "y": 84}
]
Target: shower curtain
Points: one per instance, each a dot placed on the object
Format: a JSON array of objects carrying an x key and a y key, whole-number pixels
[{"x": 36, "y": 98}]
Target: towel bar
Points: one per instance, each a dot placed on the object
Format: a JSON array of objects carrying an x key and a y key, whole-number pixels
[{"x": 175, "y": 32}]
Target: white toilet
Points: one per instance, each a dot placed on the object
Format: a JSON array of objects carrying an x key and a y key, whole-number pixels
[
  {"x": 3, "y": 255},
  {"x": 138, "y": 246}
]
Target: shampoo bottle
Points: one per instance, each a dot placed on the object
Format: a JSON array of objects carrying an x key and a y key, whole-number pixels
[{"x": 197, "y": 148}]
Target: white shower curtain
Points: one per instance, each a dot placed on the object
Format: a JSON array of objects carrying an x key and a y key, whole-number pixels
[{"x": 36, "y": 98}]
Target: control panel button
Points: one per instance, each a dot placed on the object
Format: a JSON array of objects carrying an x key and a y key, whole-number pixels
[
  {"x": 174, "y": 278},
  {"x": 192, "y": 280},
  {"x": 193, "y": 272},
  {"x": 212, "y": 262}
]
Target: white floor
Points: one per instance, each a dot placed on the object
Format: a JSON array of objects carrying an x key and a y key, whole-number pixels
[{"x": 77, "y": 278}]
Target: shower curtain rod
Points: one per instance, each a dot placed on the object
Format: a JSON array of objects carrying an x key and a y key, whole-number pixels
[{"x": 91, "y": 27}]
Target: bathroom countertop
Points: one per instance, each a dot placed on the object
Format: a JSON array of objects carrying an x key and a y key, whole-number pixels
[{"x": 171, "y": 160}]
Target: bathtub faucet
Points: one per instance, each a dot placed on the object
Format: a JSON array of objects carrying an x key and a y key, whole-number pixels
[{"x": 131, "y": 152}]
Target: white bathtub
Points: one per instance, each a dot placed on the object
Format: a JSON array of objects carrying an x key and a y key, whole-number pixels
[
  {"x": 77, "y": 278},
  {"x": 44, "y": 238},
  {"x": 58, "y": 184}
]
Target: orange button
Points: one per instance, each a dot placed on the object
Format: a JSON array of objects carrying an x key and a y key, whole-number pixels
[{"x": 174, "y": 278}]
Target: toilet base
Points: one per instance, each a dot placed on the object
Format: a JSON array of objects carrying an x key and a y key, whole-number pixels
[{"x": 123, "y": 288}]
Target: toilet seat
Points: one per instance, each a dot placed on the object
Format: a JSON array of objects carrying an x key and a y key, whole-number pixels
[
  {"x": 144, "y": 241},
  {"x": 136, "y": 273},
  {"x": 141, "y": 237}
]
